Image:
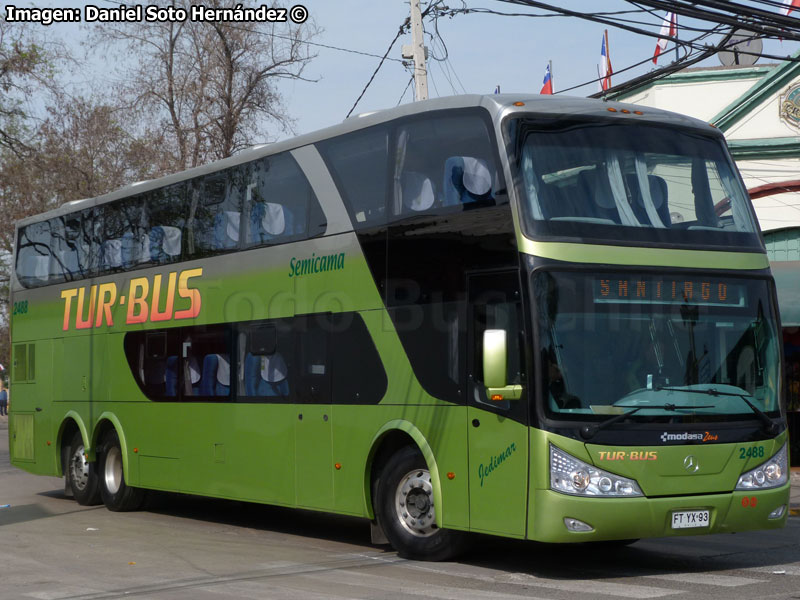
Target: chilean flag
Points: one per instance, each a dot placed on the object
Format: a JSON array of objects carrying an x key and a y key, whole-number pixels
[
  {"x": 670, "y": 28},
  {"x": 790, "y": 5},
  {"x": 605, "y": 64},
  {"x": 547, "y": 84}
]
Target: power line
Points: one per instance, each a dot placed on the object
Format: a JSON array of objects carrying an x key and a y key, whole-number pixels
[
  {"x": 403, "y": 95},
  {"x": 378, "y": 68},
  {"x": 289, "y": 38}
]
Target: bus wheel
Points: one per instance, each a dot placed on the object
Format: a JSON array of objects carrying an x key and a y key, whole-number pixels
[
  {"x": 117, "y": 495},
  {"x": 81, "y": 474},
  {"x": 406, "y": 512}
]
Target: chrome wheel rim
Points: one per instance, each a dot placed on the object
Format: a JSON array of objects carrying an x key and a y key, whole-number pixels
[
  {"x": 414, "y": 503},
  {"x": 112, "y": 473},
  {"x": 79, "y": 469}
]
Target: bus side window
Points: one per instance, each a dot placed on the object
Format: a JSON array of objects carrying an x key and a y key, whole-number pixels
[
  {"x": 124, "y": 234},
  {"x": 358, "y": 162},
  {"x": 33, "y": 254},
  {"x": 357, "y": 372},
  {"x": 280, "y": 204},
  {"x": 314, "y": 377},
  {"x": 264, "y": 361},
  {"x": 166, "y": 208},
  {"x": 205, "y": 364},
  {"x": 216, "y": 210}
]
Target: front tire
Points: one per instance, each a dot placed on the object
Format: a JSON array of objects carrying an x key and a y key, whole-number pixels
[
  {"x": 406, "y": 513},
  {"x": 117, "y": 495},
  {"x": 81, "y": 475}
]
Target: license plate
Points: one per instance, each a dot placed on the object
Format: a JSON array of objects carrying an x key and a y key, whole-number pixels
[{"x": 686, "y": 519}]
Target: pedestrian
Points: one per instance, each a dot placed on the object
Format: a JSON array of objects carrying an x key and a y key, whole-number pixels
[{"x": 3, "y": 400}]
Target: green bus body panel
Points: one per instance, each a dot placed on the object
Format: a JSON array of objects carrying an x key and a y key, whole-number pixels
[
  {"x": 22, "y": 439},
  {"x": 248, "y": 285},
  {"x": 719, "y": 465},
  {"x": 498, "y": 457},
  {"x": 667, "y": 490}
]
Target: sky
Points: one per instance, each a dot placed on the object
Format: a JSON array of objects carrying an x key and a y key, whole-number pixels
[{"x": 483, "y": 51}]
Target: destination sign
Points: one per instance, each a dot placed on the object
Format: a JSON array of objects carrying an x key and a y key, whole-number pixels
[{"x": 657, "y": 290}]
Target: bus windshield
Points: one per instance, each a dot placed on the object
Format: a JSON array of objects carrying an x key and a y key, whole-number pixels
[
  {"x": 590, "y": 179},
  {"x": 614, "y": 341}
]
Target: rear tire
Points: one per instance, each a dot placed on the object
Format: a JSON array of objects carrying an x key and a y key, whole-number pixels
[
  {"x": 81, "y": 475},
  {"x": 405, "y": 510},
  {"x": 117, "y": 495}
]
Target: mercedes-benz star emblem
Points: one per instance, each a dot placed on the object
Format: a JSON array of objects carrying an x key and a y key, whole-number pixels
[{"x": 690, "y": 464}]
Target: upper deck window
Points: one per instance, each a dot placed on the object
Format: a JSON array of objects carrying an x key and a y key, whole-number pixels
[
  {"x": 263, "y": 202},
  {"x": 591, "y": 179},
  {"x": 423, "y": 165}
]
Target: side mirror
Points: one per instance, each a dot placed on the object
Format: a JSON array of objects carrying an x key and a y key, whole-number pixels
[{"x": 495, "y": 361}]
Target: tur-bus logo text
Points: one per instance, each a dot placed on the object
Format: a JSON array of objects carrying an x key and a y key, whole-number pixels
[{"x": 148, "y": 299}]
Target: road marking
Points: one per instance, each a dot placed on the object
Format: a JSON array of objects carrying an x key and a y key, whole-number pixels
[
  {"x": 707, "y": 579},
  {"x": 385, "y": 583},
  {"x": 792, "y": 569},
  {"x": 619, "y": 590}
]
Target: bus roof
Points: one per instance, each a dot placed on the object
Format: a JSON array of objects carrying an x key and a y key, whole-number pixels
[{"x": 498, "y": 106}]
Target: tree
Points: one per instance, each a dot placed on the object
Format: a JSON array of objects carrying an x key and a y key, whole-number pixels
[
  {"x": 24, "y": 65},
  {"x": 210, "y": 88},
  {"x": 81, "y": 150}
]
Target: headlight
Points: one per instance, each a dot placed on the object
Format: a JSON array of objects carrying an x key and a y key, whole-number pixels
[
  {"x": 569, "y": 475},
  {"x": 771, "y": 474}
]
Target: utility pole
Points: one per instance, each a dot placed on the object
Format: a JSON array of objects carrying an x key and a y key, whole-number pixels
[{"x": 417, "y": 52}]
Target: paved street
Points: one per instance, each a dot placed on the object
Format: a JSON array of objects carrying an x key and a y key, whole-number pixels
[{"x": 188, "y": 548}]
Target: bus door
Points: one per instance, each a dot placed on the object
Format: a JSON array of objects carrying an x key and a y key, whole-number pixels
[
  {"x": 497, "y": 418},
  {"x": 313, "y": 425}
]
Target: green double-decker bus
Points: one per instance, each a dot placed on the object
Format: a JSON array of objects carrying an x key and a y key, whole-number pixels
[{"x": 546, "y": 319}]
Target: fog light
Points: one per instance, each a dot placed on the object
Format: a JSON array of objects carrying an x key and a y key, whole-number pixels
[
  {"x": 576, "y": 525},
  {"x": 778, "y": 512}
]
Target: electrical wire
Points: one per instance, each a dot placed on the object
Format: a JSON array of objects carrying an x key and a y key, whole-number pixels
[
  {"x": 403, "y": 95},
  {"x": 400, "y": 31},
  {"x": 286, "y": 37}
]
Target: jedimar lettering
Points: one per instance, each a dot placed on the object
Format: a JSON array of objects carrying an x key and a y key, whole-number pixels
[
  {"x": 162, "y": 297},
  {"x": 495, "y": 462}
]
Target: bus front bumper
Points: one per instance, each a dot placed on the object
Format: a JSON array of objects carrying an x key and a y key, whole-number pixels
[{"x": 633, "y": 518}]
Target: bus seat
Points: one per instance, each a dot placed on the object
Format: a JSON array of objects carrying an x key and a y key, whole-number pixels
[
  {"x": 154, "y": 373},
  {"x": 595, "y": 198},
  {"x": 135, "y": 251},
  {"x": 165, "y": 243},
  {"x": 112, "y": 253},
  {"x": 658, "y": 193},
  {"x": 193, "y": 374},
  {"x": 266, "y": 375},
  {"x": 35, "y": 267},
  {"x": 215, "y": 379},
  {"x": 551, "y": 201},
  {"x": 171, "y": 376},
  {"x": 269, "y": 220},
  {"x": 466, "y": 180},
  {"x": 416, "y": 191},
  {"x": 226, "y": 230},
  {"x": 65, "y": 257}
]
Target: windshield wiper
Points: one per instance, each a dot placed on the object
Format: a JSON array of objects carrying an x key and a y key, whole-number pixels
[
  {"x": 770, "y": 427},
  {"x": 589, "y": 431}
]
